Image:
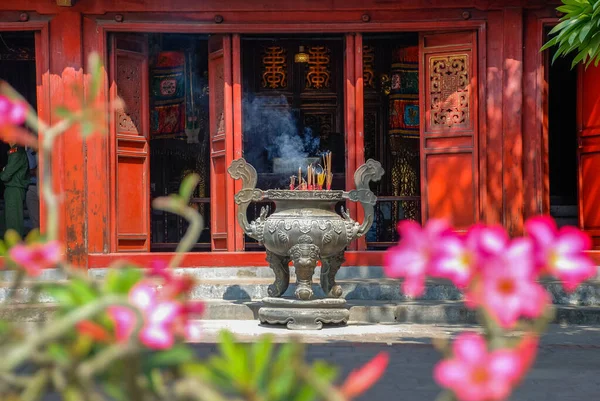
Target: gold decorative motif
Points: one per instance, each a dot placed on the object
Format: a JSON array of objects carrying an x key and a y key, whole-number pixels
[
  {"x": 449, "y": 88},
  {"x": 274, "y": 68},
  {"x": 368, "y": 66},
  {"x": 318, "y": 75}
]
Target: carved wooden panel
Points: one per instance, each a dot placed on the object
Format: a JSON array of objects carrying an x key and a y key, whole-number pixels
[
  {"x": 321, "y": 123},
  {"x": 274, "y": 68},
  {"x": 369, "y": 66},
  {"x": 449, "y": 128},
  {"x": 129, "y": 83},
  {"x": 318, "y": 75},
  {"x": 449, "y": 88}
]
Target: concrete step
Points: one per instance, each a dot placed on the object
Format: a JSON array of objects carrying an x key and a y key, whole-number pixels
[
  {"x": 361, "y": 312},
  {"x": 588, "y": 294}
]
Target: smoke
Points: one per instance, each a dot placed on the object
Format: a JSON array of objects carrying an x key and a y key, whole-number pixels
[{"x": 271, "y": 131}]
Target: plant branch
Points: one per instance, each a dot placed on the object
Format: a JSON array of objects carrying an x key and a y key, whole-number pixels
[
  {"x": 60, "y": 327},
  {"x": 176, "y": 206}
]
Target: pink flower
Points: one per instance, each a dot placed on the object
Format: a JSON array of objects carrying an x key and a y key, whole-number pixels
[
  {"x": 474, "y": 374},
  {"x": 507, "y": 288},
  {"x": 12, "y": 112},
  {"x": 34, "y": 258},
  {"x": 412, "y": 257},
  {"x": 460, "y": 258},
  {"x": 362, "y": 379},
  {"x": 561, "y": 253},
  {"x": 164, "y": 317}
]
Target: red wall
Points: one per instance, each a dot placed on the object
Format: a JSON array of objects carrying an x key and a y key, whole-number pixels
[{"x": 510, "y": 89}]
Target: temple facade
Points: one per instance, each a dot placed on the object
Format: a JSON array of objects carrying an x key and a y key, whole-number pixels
[{"x": 469, "y": 119}]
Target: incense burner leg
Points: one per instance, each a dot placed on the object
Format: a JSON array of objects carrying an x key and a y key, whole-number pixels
[
  {"x": 280, "y": 267},
  {"x": 305, "y": 257},
  {"x": 331, "y": 265}
]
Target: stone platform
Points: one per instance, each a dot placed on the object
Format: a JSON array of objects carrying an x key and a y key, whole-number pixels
[{"x": 235, "y": 294}]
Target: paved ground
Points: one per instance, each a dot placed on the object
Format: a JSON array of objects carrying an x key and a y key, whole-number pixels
[{"x": 567, "y": 369}]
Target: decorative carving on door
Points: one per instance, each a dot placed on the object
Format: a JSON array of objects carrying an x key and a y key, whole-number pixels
[
  {"x": 369, "y": 66},
  {"x": 129, "y": 83},
  {"x": 274, "y": 68},
  {"x": 322, "y": 123},
  {"x": 319, "y": 69},
  {"x": 449, "y": 88}
]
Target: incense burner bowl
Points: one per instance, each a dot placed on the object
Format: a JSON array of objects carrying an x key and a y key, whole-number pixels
[{"x": 305, "y": 227}]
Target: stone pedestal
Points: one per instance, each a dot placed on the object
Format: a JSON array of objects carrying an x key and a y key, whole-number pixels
[{"x": 304, "y": 315}]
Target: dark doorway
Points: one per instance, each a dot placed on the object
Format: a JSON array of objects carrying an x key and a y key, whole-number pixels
[
  {"x": 562, "y": 140},
  {"x": 18, "y": 68}
]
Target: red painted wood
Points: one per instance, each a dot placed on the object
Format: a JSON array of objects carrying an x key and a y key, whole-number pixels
[
  {"x": 130, "y": 194},
  {"x": 533, "y": 84},
  {"x": 97, "y": 168},
  {"x": 350, "y": 112},
  {"x": 217, "y": 6},
  {"x": 222, "y": 259},
  {"x": 512, "y": 120},
  {"x": 221, "y": 125},
  {"x": 66, "y": 72},
  {"x": 449, "y": 174},
  {"x": 237, "y": 126},
  {"x": 359, "y": 147},
  {"x": 492, "y": 152},
  {"x": 589, "y": 152}
]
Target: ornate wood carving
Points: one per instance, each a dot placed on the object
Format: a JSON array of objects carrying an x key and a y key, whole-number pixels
[
  {"x": 319, "y": 68},
  {"x": 274, "y": 68},
  {"x": 368, "y": 66},
  {"x": 129, "y": 81},
  {"x": 321, "y": 123},
  {"x": 449, "y": 86}
]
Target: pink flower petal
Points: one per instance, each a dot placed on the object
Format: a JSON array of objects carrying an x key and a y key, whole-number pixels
[
  {"x": 571, "y": 240},
  {"x": 18, "y": 112},
  {"x": 193, "y": 330},
  {"x": 470, "y": 348},
  {"x": 542, "y": 229},
  {"x": 164, "y": 313},
  {"x": 413, "y": 286},
  {"x": 157, "y": 337},
  {"x": 125, "y": 321},
  {"x": 143, "y": 296},
  {"x": 449, "y": 373}
]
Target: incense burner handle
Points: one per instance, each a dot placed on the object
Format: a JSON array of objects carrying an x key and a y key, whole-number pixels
[
  {"x": 370, "y": 171},
  {"x": 240, "y": 169}
]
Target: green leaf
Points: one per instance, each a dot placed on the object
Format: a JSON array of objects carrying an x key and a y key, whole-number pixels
[
  {"x": 82, "y": 291},
  {"x": 59, "y": 353},
  {"x": 87, "y": 128},
  {"x": 115, "y": 391},
  {"x": 95, "y": 70},
  {"x": 174, "y": 356},
  {"x": 3, "y": 248},
  {"x": 63, "y": 112},
  {"x": 261, "y": 355},
  {"x": 585, "y": 31},
  {"x": 61, "y": 293},
  {"x": 236, "y": 357},
  {"x": 121, "y": 281},
  {"x": 12, "y": 238},
  {"x": 187, "y": 186},
  {"x": 550, "y": 43}
]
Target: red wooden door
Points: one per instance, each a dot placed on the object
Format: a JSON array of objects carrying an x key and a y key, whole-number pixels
[
  {"x": 130, "y": 164},
  {"x": 589, "y": 152},
  {"x": 221, "y": 142},
  {"x": 449, "y": 127}
]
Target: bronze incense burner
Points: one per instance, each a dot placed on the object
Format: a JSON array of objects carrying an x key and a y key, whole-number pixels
[{"x": 305, "y": 228}]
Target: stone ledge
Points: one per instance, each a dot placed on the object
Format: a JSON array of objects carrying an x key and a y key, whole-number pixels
[{"x": 361, "y": 312}]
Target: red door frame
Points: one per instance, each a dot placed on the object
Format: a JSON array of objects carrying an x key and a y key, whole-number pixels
[{"x": 216, "y": 259}]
